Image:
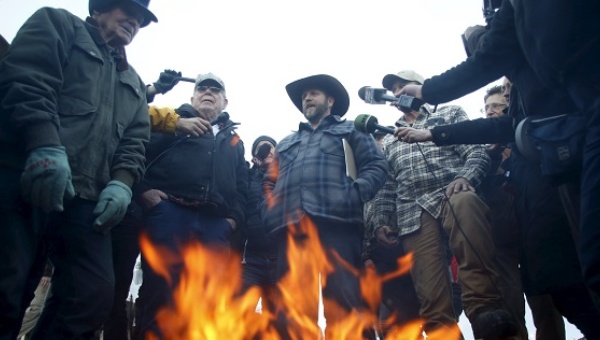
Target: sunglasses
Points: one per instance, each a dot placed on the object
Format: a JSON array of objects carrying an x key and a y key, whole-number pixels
[{"x": 212, "y": 89}]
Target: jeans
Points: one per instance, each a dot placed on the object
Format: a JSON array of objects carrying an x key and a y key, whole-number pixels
[{"x": 173, "y": 226}]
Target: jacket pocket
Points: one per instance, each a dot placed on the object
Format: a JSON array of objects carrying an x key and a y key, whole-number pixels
[
  {"x": 287, "y": 152},
  {"x": 82, "y": 76},
  {"x": 331, "y": 143}
]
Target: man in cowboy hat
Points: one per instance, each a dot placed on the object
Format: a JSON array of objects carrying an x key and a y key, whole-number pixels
[
  {"x": 73, "y": 125},
  {"x": 312, "y": 184}
]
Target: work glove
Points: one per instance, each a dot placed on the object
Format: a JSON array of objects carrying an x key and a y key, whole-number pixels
[
  {"x": 166, "y": 81},
  {"x": 112, "y": 206},
  {"x": 46, "y": 180}
]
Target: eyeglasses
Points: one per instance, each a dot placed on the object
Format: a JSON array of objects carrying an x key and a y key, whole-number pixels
[
  {"x": 496, "y": 107},
  {"x": 212, "y": 89}
]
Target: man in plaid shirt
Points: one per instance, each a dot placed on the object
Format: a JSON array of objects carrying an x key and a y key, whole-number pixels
[
  {"x": 311, "y": 183},
  {"x": 431, "y": 192}
]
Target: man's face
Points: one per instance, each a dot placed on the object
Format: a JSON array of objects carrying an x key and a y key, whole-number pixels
[
  {"x": 209, "y": 100},
  {"x": 494, "y": 105},
  {"x": 119, "y": 25},
  {"x": 396, "y": 88},
  {"x": 506, "y": 86},
  {"x": 316, "y": 105}
]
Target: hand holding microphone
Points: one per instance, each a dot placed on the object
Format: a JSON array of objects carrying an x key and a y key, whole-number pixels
[{"x": 368, "y": 124}]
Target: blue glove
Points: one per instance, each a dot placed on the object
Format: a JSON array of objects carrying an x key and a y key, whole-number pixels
[
  {"x": 167, "y": 81},
  {"x": 46, "y": 180},
  {"x": 112, "y": 206}
]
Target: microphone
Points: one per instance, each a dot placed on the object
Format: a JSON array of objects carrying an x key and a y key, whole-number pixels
[
  {"x": 221, "y": 118},
  {"x": 368, "y": 124},
  {"x": 373, "y": 95}
]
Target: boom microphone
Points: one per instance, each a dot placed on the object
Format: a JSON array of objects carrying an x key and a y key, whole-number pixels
[
  {"x": 368, "y": 124},
  {"x": 221, "y": 118},
  {"x": 373, "y": 95}
]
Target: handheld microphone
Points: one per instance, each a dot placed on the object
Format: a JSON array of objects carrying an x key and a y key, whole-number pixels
[
  {"x": 368, "y": 124},
  {"x": 221, "y": 118},
  {"x": 373, "y": 95}
]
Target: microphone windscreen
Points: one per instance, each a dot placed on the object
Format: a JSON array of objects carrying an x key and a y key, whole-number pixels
[{"x": 361, "y": 92}]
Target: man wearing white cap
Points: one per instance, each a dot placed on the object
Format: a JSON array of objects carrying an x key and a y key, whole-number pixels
[{"x": 431, "y": 190}]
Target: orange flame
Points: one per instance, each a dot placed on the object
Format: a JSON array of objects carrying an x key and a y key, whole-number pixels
[{"x": 209, "y": 304}]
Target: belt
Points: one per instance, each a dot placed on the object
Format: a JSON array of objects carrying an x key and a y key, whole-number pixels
[{"x": 187, "y": 202}]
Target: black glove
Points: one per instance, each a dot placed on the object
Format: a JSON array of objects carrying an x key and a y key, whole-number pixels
[{"x": 167, "y": 80}]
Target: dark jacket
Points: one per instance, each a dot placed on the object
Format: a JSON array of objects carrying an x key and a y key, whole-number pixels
[
  {"x": 256, "y": 234},
  {"x": 519, "y": 38},
  {"x": 311, "y": 176},
  {"x": 208, "y": 168},
  {"x": 61, "y": 84}
]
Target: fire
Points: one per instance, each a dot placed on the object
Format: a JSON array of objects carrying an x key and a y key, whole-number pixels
[{"x": 208, "y": 303}]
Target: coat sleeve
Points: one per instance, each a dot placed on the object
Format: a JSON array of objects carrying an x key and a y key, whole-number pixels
[
  {"x": 239, "y": 201},
  {"x": 163, "y": 119},
  {"x": 477, "y": 131},
  {"x": 371, "y": 166},
  {"x": 498, "y": 53},
  {"x": 32, "y": 75}
]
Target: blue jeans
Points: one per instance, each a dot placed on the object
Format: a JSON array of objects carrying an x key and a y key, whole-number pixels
[
  {"x": 260, "y": 270},
  {"x": 173, "y": 226}
]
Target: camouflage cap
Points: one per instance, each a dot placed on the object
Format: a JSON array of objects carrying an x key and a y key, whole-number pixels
[{"x": 210, "y": 78}]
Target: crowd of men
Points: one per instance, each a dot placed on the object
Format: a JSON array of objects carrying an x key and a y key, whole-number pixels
[{"x": 87, "y": 167}]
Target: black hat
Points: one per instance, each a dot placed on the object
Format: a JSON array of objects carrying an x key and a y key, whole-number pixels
[
  {"x": 102, "y": 5},
  {"x": 260, "y": 139},
  {"x": 325, "y": 83}
]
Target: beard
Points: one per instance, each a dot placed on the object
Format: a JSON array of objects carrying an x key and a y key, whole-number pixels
[{"x": 316, "y": 113}]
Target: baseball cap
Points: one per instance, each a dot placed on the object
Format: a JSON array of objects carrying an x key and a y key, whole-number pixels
[{"x": 406, "y": 75}]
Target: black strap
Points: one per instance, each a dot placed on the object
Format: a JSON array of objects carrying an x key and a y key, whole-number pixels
[{"x": 169, "y": 148}]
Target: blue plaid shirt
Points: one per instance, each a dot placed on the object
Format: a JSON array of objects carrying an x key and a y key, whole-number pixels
[{"x": 309, "y": 175}]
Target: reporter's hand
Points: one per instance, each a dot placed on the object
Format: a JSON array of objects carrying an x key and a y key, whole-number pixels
[
  {"x": 410, "y": 135},
  {"x": 112, "y": 206},
  {"x": 193, "y": 126},
  {"x": 387, "y": 236},
  {"x": 167, "y": 81},
  {"x": 458, "y": 185},
  {"x": 46, "y": 180},
  {"x": 472, "y": 29},
  {"x": 413, "y": 90},
  {"x": 151, "y": 198}
]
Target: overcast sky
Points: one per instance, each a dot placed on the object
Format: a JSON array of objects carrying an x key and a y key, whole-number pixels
[{"x": 257, "y": 47}]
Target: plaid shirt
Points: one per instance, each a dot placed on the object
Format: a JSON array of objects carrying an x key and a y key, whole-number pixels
[
  {"x": 311, "y": 175},
  {"x": 420, "y": 172}
]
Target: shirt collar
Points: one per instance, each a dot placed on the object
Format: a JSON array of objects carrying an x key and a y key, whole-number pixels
[{"x": 326, "y": 121}]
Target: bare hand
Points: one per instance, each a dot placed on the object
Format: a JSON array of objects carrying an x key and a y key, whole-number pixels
[
  {"x": 413, "y": 90},
  {"x": 458, "y": 185},
  {"x": 194, "y": 126},
  {"x": 410, "y": 135},
  {"x": 151, "y": 198},
  {"x": 387, "y": 236}
]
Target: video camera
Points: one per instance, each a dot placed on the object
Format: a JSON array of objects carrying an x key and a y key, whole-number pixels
[{"x": 490, "y": 7}]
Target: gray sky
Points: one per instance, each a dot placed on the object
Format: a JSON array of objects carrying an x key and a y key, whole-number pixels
[{"x": 257, "y": 47}]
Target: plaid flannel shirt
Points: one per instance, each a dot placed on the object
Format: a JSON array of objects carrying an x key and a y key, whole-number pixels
[
  {"x": 420, "y": 172},
  {"x": 311, "y": 175}
]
